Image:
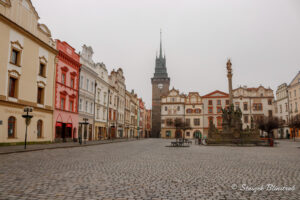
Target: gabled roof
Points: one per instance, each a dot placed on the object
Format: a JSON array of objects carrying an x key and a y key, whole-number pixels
[
  {"x": 216, "y": 94},
  {"x": 297, "y": 75}
]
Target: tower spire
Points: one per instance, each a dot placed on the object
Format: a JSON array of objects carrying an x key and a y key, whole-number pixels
[{"x": 160, "y": 50}]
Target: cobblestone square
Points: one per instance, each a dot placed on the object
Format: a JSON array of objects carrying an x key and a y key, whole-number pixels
[{"x": 147, "y": 169}]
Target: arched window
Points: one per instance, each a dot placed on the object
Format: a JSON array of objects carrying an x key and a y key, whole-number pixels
[
  {"x": 11, "y": 127},
  {"x": 39, "y": 128}
]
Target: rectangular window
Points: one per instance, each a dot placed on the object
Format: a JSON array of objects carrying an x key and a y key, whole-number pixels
[
  {"x": 72, "y": 82},
  {"x": 245, "y": 106},
  {"x": 219, "y": 110},
  {"x": 98, "y": 111},
  {"x": 86, "y": 106},
  {"x": 92, "y": 86},
  {"x": 81, "y": 81},
  {"x": 166, "y": 108},
  {"x": 197, "y": 122},
  {"x": 40, "y": 95},
  {"x": 210, "y": 102},
  {"x": 188, "y": 122},
  {"x": 210, "y": 110},
  {"x": 80, "y": 104},
  {"x": 98, "y": 96},
  {"x": 63, "y": 78},
  {"x": 280, "y": 108},
  {"x": 91, "y": 108},
  {"x": 15, "y": 54},
  {"x": 42, "y": 70},
  {"x": 257, "y": 106},
  {"x": 109, "y": 114},
  {"x": 71, "y": 106},
  {"x": 87, "y": 84},
  {"x": 237, "y": 105},
  {"x": 12, "y": 90},
  {"x": 62, "y": 103},
  {"x": 178, "y": 108},
  {"x": 219, "y": 102},
  {"x": 227, "y": 102},
  {"x": 270, "y": 102}
]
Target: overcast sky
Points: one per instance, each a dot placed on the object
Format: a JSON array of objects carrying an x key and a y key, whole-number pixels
[{"x": 262, "y": 38}]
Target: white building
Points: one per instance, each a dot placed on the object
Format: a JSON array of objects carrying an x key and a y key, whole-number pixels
[
  {"x": 254, "y": 103},
  {"x": 172, "y": 108},
  {"x": 87, "y": 92},
  {"x": 101, "y": 102},
  {"x": 281, "y": 110}
]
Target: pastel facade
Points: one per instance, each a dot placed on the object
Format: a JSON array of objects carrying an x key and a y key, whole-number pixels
[
  {"x": 254, "y": 103},
  {"x": 281, "y": 110},
  {"x": 133, "y": 114},
  {"x": 116, "y": 103},
  {"x": 27, "y": 60},
  {"x": 194, "y": 109},
  {"x": 213, "y": 103},
  {"x": 294, "y": 98},
  {"x": 172, "y": 108},
  {"x": 87, "y": 93},
  {"x": 127, "y": 114},
  {"x": 65, "y": 116},
  {"x": 101, "y": 102}
]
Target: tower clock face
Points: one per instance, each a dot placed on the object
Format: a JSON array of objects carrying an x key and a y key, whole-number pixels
[{"x": 160, "y": 86}]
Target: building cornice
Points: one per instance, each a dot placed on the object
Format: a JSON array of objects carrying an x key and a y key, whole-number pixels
[{"x": 28, "y": 34}]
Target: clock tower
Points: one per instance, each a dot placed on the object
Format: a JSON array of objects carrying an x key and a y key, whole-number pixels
[{"x": 160, "y": 87}]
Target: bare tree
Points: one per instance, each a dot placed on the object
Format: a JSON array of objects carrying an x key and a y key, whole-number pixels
[
  {"x": 268, "y": 124},
  {"x": 181, "y": 125},
  {"x": 294, "y": 123}
]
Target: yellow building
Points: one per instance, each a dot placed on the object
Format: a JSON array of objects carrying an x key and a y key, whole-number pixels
[{"x": 27, "y": 69}]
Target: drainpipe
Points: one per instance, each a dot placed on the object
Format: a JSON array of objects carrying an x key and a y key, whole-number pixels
[
  {"x": 95, "y": 108},
  {"x": 107, "y": 110},
  {"x": 117, "y": 117}
]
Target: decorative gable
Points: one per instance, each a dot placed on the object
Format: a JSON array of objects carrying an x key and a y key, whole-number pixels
[
  {"x": 216, "y": 94},
  {"x": 44, "y": 29},
  {"x": 28, "y": 5}
]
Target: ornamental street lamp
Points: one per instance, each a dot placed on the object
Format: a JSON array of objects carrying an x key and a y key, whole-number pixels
[{"x": 27, "y": 121}]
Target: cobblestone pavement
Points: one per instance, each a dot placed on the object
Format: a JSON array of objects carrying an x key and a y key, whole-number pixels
[{"x": 147, "y": 169}]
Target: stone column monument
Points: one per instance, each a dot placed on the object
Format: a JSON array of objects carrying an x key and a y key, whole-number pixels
[{"x": 229, "y": 76}]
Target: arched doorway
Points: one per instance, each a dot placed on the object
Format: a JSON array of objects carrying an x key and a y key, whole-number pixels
[{"x": 197, "y": 134}]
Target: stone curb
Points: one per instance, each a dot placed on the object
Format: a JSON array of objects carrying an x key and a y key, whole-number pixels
[{"x": 64, "y": 147}]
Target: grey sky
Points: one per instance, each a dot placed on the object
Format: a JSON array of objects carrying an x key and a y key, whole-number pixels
[{"x": 262, "y": 37}]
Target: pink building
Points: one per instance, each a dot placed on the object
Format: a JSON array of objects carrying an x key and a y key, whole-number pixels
[{"x": 66, "y": 93}]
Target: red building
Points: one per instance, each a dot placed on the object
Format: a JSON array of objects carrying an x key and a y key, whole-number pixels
[{"x": 66, "y": 93}]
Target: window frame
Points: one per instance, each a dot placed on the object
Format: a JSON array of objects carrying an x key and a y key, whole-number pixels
[
  {"x": 13, "y": 128},
  {"x": 40, "y": 122},
  {"x": 40, "y": 96},
  {"x": 16, "y": 87}
]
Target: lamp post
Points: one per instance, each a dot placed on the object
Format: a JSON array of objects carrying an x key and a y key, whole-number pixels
[
  {"x": 85, "y": 130},
  {"x": 27, "y": 117}
]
